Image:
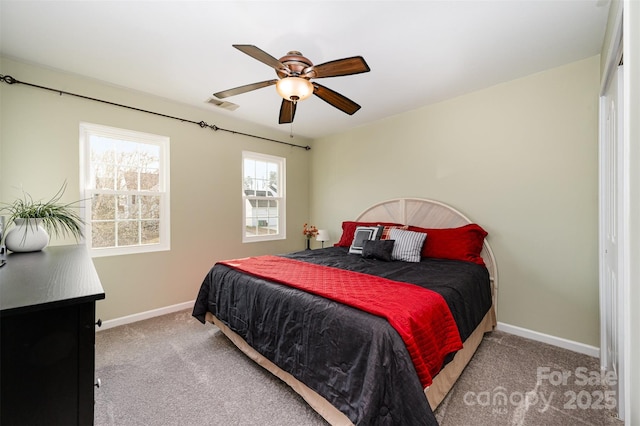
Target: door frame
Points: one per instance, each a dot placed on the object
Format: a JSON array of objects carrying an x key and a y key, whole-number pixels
[{"x": 614, "y": 58}]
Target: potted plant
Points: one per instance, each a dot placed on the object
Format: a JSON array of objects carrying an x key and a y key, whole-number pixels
[{"x": 34, "y": 220}]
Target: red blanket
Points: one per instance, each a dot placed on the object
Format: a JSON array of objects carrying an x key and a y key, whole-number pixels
[{"x": 420, "y": 316}]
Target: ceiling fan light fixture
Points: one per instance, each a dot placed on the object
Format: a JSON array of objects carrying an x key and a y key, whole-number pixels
[{"x": 294, "y": 88}]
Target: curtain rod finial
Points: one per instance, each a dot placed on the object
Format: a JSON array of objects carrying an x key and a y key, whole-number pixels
[{"x": 8, "y": 79}]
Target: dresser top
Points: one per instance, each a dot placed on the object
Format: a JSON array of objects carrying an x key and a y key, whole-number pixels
[{"x": 55, "y": 276}]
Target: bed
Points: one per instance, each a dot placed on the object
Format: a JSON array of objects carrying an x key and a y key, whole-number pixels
[{"x": 352, "y": 366}]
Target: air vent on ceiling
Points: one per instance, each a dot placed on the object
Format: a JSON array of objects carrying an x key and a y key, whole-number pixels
[{"x": 223, "y": 104}]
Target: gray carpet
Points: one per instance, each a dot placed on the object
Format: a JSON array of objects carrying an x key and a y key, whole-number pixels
[{"x": 172, "y": 370}]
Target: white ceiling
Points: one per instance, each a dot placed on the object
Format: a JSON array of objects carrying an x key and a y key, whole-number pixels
[{"x": 419, "y": 52}]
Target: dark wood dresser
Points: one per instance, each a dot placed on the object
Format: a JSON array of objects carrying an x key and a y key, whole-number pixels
[{"x": 47, "y": 326}]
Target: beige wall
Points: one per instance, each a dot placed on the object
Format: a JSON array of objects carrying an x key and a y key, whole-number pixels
[
  {"x": 39, "y": 140},
  {"x": 519, "y": 158}
]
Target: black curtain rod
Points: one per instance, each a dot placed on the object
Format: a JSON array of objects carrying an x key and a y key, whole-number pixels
[{"x": 10, "y": 80}]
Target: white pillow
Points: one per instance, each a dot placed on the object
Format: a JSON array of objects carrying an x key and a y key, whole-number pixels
[
  {"x": 408, "y": 245},
  {"x": 362, "y": 234}
]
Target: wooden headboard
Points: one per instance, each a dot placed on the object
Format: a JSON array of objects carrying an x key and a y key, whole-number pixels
[{"x": 429, "y": 214}]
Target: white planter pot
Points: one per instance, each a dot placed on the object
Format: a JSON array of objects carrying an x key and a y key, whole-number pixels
[{"x": 27, "y": 235}]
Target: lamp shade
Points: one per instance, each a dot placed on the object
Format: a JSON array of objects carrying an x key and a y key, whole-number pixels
[
  {"x": 323, "y": 235},
  {"x": 294, "y": 88}
]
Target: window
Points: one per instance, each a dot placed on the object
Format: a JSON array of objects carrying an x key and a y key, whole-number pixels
[
  {"x": 125, "y": 184},
  {"x": 263, "y": 200}
]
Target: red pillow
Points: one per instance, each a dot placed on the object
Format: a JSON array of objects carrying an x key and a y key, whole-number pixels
[
  {"x": 463, "y": 243},
  {"x": 388, "y": 228},
  {"x": 349, "y": 229}
]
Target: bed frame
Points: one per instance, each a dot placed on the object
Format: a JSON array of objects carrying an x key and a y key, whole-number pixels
[{"x": 409, "y": 211}]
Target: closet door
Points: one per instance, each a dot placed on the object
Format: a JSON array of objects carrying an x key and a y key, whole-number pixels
[{"x": 612, "y": 233}]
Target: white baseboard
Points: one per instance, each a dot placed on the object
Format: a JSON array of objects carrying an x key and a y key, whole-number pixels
[
  {"x": 551, "y": 340},
  {"x": 145, "y": 315}
]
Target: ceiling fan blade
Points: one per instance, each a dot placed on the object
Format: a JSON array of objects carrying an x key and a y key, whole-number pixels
[
  {"x": 336, "y": 99},
  {"x": 339, "y": 67},
  {"x": 244, "y": 89},
  {"x": 287, "y": 112},
  {"x": 262, "y": 56}
]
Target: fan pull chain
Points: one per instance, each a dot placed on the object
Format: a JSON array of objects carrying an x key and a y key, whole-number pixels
[{"x": 295, "y": 101}]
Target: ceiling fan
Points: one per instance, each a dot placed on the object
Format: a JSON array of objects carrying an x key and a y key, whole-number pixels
[{"x": 295, "y": 72}]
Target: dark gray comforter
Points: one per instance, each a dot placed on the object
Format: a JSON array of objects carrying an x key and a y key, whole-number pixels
[{"x": 355, "y": 360}]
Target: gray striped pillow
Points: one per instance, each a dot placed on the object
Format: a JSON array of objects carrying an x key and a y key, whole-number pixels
[{"x": 408, "y": 245}]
